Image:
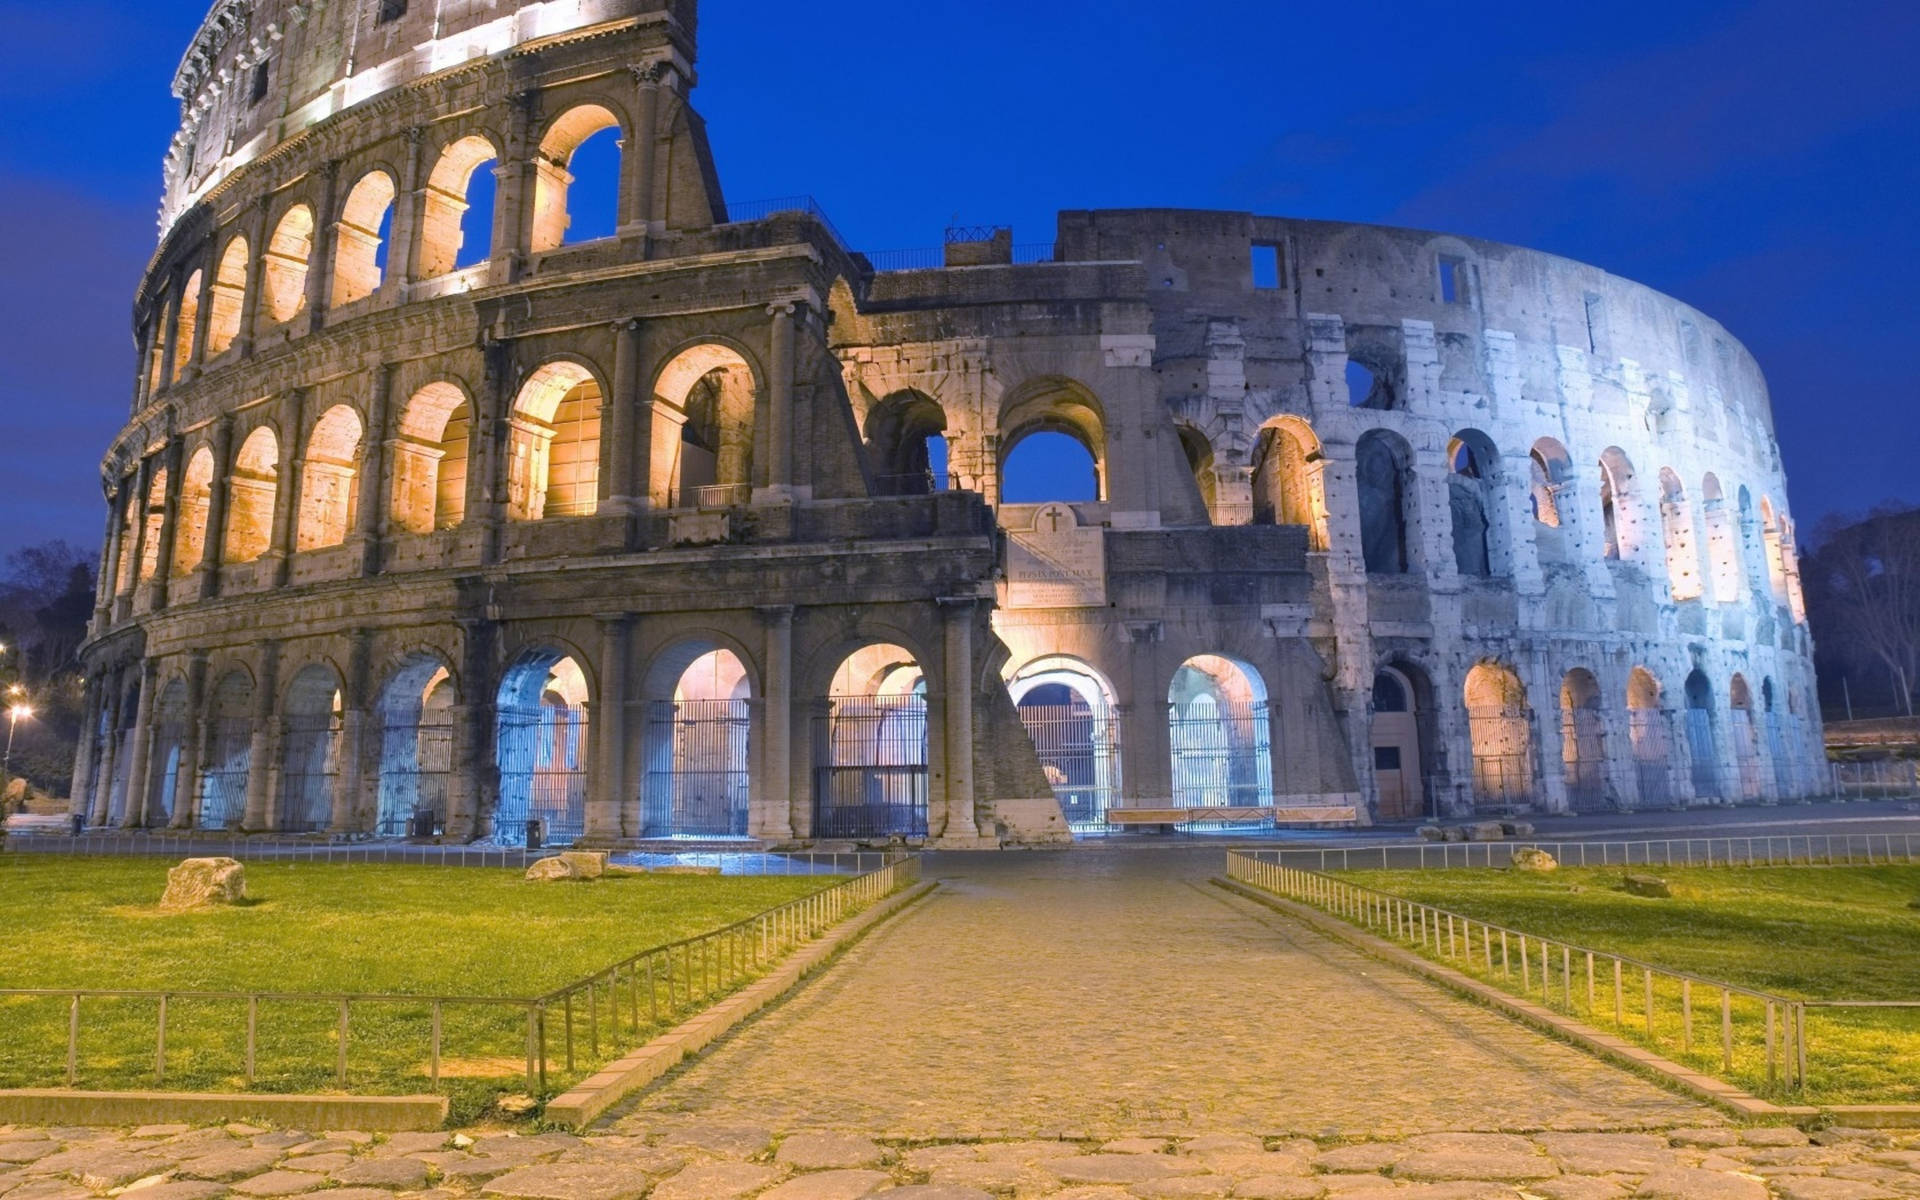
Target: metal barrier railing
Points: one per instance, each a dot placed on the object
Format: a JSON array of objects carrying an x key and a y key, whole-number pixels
[
  {"x": 1877, "y": 779},
  {"x": 668, "y": 980},
  {"x": 1660, "y": 1014},
  {"x": 1781, "y": 850}
]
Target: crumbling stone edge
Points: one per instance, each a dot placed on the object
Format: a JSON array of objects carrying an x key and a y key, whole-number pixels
[
  {"x": 1662, "y": 1070},
  {"x": 593, "y": 1096},
  {"x": 375, "y": 1114}
]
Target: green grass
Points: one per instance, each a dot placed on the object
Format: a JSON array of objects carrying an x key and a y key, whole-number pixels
[
  {"x": 94, "y": 923},
  {"x": 1798, "y": 932}
]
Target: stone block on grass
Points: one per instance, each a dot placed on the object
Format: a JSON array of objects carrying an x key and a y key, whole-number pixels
[{"x": 203, "y": 883}]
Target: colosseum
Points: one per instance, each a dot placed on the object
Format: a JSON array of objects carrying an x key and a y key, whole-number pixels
[{"x": 441, "y": 513}]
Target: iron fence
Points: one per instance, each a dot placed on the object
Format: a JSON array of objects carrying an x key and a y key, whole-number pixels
[
  {"x": 223, "y": 774},
  {"x": 416, "y": 769},
  {"x": 1080, "y": 752},
  {"x": 759, "y": 210},
  {"x": 309, "y": 771},
  {"x": 543, "y": 774},
  {"x": 1778, "y": 850},
  {"x": 1222, "y": 756},
  {"x": 871, "y": 773},
  {"x": 272, "y": 1038},
  {"x": 1882, "y": 780},
  {"x": 697, "y": 780}
]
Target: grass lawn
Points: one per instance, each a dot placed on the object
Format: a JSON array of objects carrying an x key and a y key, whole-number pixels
[
  {"x": 94, "y": 923},
  {"x": 1800, "y": 932}
]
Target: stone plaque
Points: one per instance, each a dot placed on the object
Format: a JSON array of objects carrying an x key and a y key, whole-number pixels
[{"x": 1056, "y": 563}]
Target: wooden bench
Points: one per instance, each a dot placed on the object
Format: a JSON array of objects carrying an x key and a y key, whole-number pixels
[{"x": 1330, "y": 814}]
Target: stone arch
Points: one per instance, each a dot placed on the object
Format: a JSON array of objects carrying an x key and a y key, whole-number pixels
[
  {"x": 327, "y": 495},
  {"x": 227, "y": 760},
  {"x": 1744, "y": 731},
  {"x": 553, "y": 182},
  {"x": 1583, "y": 742},
  {"x": 154, "y": 518},
  {"x": 413, "y": 740},
  {"x": 154, "y": 336},
  {"x": 1068, "y": 708},
  {"x": 703, "y": 427},
  {"x": 444, "y": 220},
  {"x": 1053, "y": 405},
  {"x": 1723, "y": 551},
  {"x": 1472, "y": 482},
  {"x": 906, "y": 444},
  {"x": 1702, "y": 742},
  {"x": 429, "y": 469},
  {"x": 251, "y": 490},
  {"x": 1616, "y": 492},
  {"x": 1198, "y": 452},
  {"x": 1647, "y": 730},
  {"x": 1774, "y": 547},
  {"x": 1400, "y": 735},
  {"x": 312, "y": 712},
  {"x": 1289, "y": 486},
  {"x": 172, "y": 743},
  {"x": 184, "y": 324},
  {"x": 553, "y": 464},
  {"x": 284, "y": 264},
  {"x": 360, "y": 238},
  {"x": 1383, "y": 471},
  {"x": 1550, "y": 492},
  {"x": 541, "y": 746},
  {"x": 196, "y": 498},
  {"x": 1676, "y": 524},
  {"x": 1220, "y": 735},
  {"x": 698, "y": 746},
  {"x": 1500, "y": 728},
  {"x": 871, "y": 774},
  {"x": 227, "y": 301}
]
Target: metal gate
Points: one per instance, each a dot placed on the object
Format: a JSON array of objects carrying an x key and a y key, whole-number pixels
[
  {"x": 1584, "y": 755},
  {"x": 223, "y": 781},
  {"x": 170, "y": 742},
  {"x": 543, "y": 774},
  {"x": 1080, "y": 752},
  {"x": 870, "y": 768},
  {"x": 1221, "y": 758},
  {"x": 1746, "y": 754},
  {"x": 1652, "y": 757},
  {"x": 697, "y": 781},
  {"x": 1704, "y": 759},
  {"x": 416, "y": 763},
  {"x": 122, "y": 768},
  {"x": 310, "y": 758},
  {"x": 1783, "y": 783},
  {"x": 1502, "y": 741}
]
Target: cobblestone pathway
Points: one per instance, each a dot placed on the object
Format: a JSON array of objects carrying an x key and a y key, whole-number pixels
[{"x": 1109, "y": 993}]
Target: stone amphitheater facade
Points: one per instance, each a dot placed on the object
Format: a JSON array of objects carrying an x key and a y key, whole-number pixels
[{"x": 427, "y": 526}]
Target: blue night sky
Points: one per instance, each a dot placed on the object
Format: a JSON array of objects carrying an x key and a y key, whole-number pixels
[{"x": 1759, "y": 160}]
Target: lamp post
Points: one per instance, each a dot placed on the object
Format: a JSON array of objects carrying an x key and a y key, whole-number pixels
[{"x": 16, "y": 713}]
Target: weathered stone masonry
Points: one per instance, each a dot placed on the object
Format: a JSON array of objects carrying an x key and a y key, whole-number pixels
[{"x": 645, "y": 535}]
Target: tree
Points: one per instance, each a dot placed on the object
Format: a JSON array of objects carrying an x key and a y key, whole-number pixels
[
  {"x": 46, "y": 600},
  {"x": 1864, "y": 594}
]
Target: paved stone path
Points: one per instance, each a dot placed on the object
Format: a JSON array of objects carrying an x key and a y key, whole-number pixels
[{"x": 1104, "y": 994}]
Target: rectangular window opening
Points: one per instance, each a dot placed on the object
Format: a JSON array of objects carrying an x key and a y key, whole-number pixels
[
  {"x": 1453, "y": 280},
  {"x": 1595, "y": 315},
  {"x": 258, "y": 91},
  {"x": 391, "y": 10},
  {"x": 1266, "y": 267}
]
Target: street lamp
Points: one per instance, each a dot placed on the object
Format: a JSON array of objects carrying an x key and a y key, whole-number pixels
[{"x": 16, "y": 714}]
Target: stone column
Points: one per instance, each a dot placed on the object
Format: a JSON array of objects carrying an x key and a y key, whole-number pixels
[
  {"x": 370, "y": 499},
  {"x": 168, "y": 331},
  {"x": 256, "y": 266},
  {"x": 349, "y": 781},
  {"x": 1145, "y": 740},
  {"x": 620, "y": 496},
  {"x": 779, "y": 410},
  {"x": 475, "y": 780},
  {"x": 142, "y": 488},
  {"x": 110, "y": 560},
  {"x": 186, "y": 789},
  {"x": 778, "y": 810},
  {"x": 608, "y": 803},
  {"x": 286, "y": 492},
  {"x": 81, "y": 794},
  {"x": 134, "y": 814},
  {"x": 198, "y": 355},
  {"x": 957, "y": 620},
  {"x": 487, "y": 451},
  {"x": 162, "y": 581},
  {"x": 325, "y": 236},
  {"x": 109, "y": 751},
  {"x": 403, "y": 244},
  {"x": 646, "y": 123},
  {"x": 262, "y": 771},
  {"x": 206, "y": 583},
  {"x": 514, "y": 194}
]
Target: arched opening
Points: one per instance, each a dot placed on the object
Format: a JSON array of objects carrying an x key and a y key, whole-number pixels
[
  {"x": 184, "y": 325},
  {"x": 360, "y": 238},
  {"x": 1067, "y": 709},
  {"x": 1616, "y": 488},
  {"x": 229, "y": 753},
  {"x": 1471, "y": 463},
  {"x": 1398, "y": 766},
  {"x": 703, "y": 430},
  {"x": 541, "y": 747},
  {"x": 1778, "y": 743},
  {"x": 155, "y": 339},
  {"x": 171, "y": 741},
  {"x": 328, "y": 496},
  {"x": 154, "y": 517},
  {"x": 228, "y": 299},
  {"x": 1366, "y": 387},
  {"x": 582, "y": 147},
  {"x": 284, "y": 265},
  {"x": 456, "y": 219},
  {"x": 1723, "y": 551},
  {"x": 1500, "y": 727},
  {"x": 1220, "y": 736},
  {"x": 698, "y": 777},
  {"x": 250, "y": 497},
  {"x": 1770, "y": 534},
  {"x": 130, "y": 510},
  {"x": 429, "y": 485},
  {"x": 413, "y": 725},
  {"x": 1703, "y": 756},
  {"x": 1550, "y": 494},
  {"x": 1383, "y": 472},
  {"x": 1286, "y": 479},
  {"x": 1198, "y": 452},
  {"x": 196, "y": 497},
  {"x": 1583, "y": 743},
  {"x": 553, "y": 464},
  {"x": 1052, "y": 444},
  {"x": 310, "y": 751},
  {"x": 1746, "y": 738},
  {"x": 907, "y": 446},
  {"x": 123, "y": 754},
  {"x": 870, "y": 749},
  {"x": 1652, "y": 746},
  {"x": 1676, "y": 523}
]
